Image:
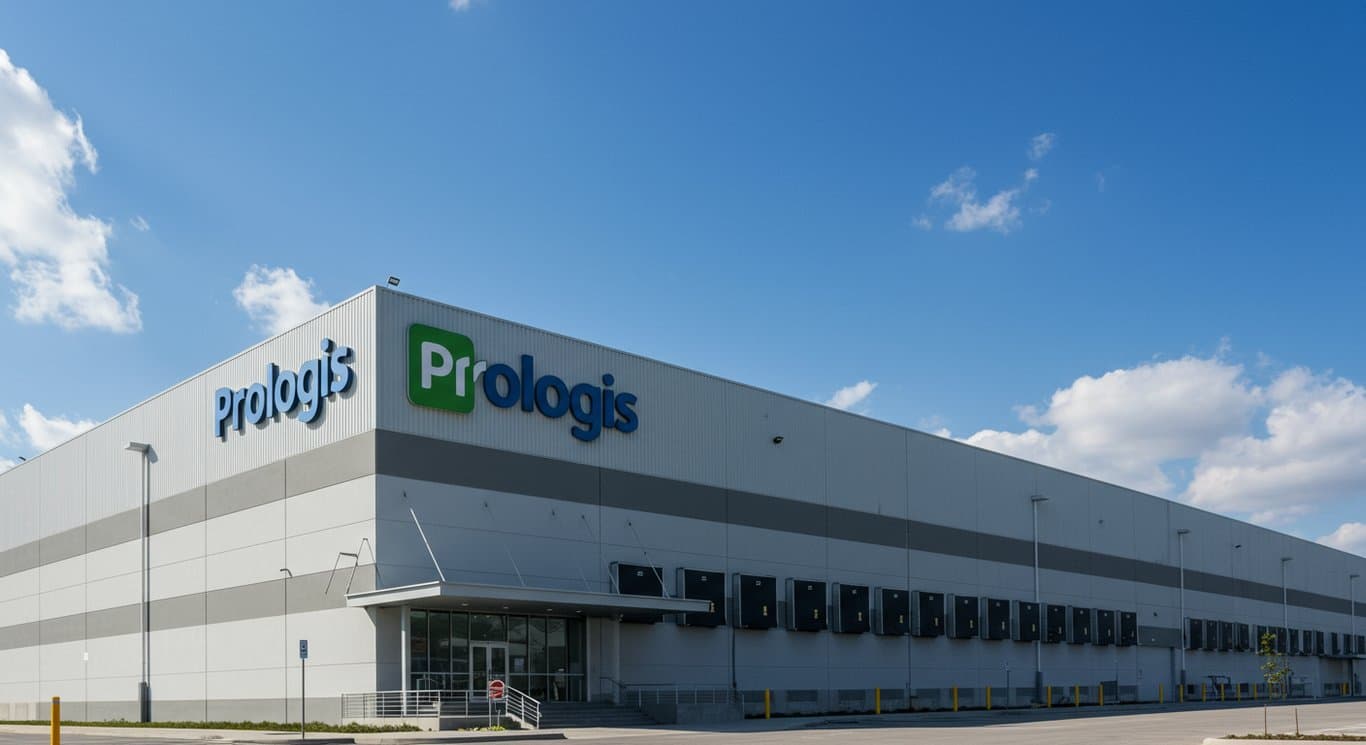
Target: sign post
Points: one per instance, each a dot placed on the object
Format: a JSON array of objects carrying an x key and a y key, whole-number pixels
[
  {"x": 495, "y": 693},
  {"x": 303, "y": 688}
]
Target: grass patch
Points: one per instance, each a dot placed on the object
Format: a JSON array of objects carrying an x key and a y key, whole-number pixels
[{"x": 349, "y": 729}]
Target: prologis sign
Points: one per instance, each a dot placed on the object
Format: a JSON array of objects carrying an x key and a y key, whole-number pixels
[
  {"x": 444, "y": 373},
  {"x": 283, "y": 392}
]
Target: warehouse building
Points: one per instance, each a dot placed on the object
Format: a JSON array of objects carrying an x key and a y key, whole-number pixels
[{"x": 435, "y": 499}]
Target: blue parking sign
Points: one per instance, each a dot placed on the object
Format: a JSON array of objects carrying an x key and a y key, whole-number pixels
[{"x": 303, "y": 649}]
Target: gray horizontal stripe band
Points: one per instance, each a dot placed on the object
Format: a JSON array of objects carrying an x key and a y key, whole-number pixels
[
  {"x": 426, "y": 459},
  {"x": 303, "y": 594},
  {"x": 349, "y": 459}
]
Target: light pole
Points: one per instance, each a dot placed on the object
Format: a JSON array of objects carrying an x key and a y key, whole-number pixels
[
  {"x": 144, "y": 687},
  {"x": 1352, "y": 613},
  {"x": 288, "y": 576},
  {"x": 1285, "y": 603},
  {"x": 1181, "y": 534},
  {"x": 1034, "y": 503}
]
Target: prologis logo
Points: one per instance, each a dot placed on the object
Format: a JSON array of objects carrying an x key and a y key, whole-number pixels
[
  {"x": 443, "y": 373},
  {"x": 283, "y": 392}
]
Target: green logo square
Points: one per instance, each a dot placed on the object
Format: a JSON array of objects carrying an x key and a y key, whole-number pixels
[{"x": 441, "y": 369}]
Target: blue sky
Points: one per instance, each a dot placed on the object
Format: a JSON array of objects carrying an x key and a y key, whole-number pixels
[{"x": 1165, "y": 290}]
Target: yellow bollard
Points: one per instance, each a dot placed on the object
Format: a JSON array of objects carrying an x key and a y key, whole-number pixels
[
  {"x": 1181, "y": 694},
  {"x": 1050, "y": 696},
  {"x": 1159, "y": 693},
  {"x": 56, "y": 720},
  {"x": 1254, "y": 691},
  {"x": 1100, "y": 695},
  {"x": 1221, "y": 691},
  {"x": 877, "y": 700},
  {"x": 1238, "y": 692},
  {"x": 955, "y": 698},
  {"x": 1203, "y": 697},
  {"x": 1076, "y": 695},
  {"x": 768, "y": 703},
  {"x": 988, "y": 698}
]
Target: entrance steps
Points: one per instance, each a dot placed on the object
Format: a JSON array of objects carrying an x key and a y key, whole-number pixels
[{"x": 561, "y": 715}]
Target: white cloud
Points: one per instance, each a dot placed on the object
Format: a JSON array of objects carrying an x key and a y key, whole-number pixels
[
  {"x": 1100, "y": 180},
  {"x": 58, "y": 260},
  {"x": 1314, "y": 451},
  {"x": 848, "y": 397},
  {"x": 276, "y": 298},
  {"x": 1126, "y": 424},
  {"x": 459, "y": 5},
  {"x": 923, "y": 222},
  {"x": 1200, "y": 430},
  {"x": 45, "y": 433},
  {"x": 1350, "y": 537},
  {"x": 139, "y": 223},
  {"x": 1040, "y": 145},
  {"x": 1000, "y": 212}
]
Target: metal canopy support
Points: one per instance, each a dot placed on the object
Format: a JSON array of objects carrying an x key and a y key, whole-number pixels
[
  {"x": 423, "y": 533},
  {"x": 658, "y": 572},
  {"x": 506, "y": 550},
  {"x": 355, "y": 564}
]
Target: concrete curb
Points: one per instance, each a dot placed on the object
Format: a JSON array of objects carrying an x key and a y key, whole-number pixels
[
  {"x": 414, "y": 738},
  {"x": 1227, "y": 741},
  {"x": 294, "y": 741}
]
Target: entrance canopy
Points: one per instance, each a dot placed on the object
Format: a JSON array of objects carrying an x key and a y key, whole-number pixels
[{"x": 517, "y": 599}]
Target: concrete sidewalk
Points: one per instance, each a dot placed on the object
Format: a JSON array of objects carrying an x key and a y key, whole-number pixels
[
  {"x": 949, "y": 719},
  {"x": 279, "y": 737}
]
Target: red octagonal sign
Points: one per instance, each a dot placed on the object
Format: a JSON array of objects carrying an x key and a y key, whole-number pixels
[{"x": 496, "y": 689}]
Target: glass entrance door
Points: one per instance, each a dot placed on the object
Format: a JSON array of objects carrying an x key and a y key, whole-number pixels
[{"x": 488, "y": 661}]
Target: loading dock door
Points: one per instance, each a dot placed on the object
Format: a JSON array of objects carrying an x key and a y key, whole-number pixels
[
  {"x": 927, "y": 613},
  {"x": 892, "y": 612},
  {"x": 1025, "y": 621},
  {"x": 1055, "y": 631},
  {"x": 756, "y": 601},
  {"x": 696, "y": 584}
]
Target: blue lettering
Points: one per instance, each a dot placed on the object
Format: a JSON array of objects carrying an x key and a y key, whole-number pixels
[
  {"x": 589, "y": 415},
  {"x": 345, "y": 375},
  {"x": 256, "y": 403},
  {"x": 283, "y": 392},
  {"x": 609, "y": 419},
  {"x": 271, "y": 372},
  {"x": 628, "y": 421},
  {"x": 310, "y": 390},
  {"x": 326, "y": 388},
  {"x": 238, "y": 397},
  {"x": 543, "y": 388},
  {"x": 492, "y": 375},
  {"x": 222, "y": 407},
  {"x": 286, "y": 392},
  {"x": 528, "y": 382}
]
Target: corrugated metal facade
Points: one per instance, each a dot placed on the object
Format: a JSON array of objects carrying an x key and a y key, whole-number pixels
[{"x": 700, "y": 484}]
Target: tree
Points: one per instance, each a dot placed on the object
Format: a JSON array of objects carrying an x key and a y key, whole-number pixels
[{"x": 1274, "y": 667}]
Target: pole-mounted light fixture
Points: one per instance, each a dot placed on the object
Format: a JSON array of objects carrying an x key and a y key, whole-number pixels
[
  {"x": 144, "y": 686},
  {"x": 1034, "y": 502}
]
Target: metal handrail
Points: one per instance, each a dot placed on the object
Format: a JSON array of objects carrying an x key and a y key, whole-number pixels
[
  {"x": 521, "y": 707},
  {"x": 515, "y": 704},
  {"x": 639, "y": 694}
]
